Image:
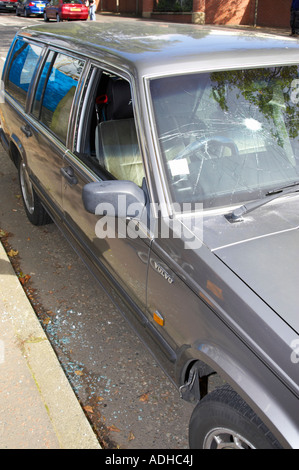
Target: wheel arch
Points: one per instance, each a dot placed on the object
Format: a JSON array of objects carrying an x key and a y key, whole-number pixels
[
  {"x": 249, "y": 383},
  {"x": 16, "y": 150}
]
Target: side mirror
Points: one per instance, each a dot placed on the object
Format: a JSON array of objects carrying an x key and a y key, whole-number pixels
[{"x": 114, "y": 198}]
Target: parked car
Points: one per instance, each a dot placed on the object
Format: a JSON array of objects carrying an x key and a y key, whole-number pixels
[
  {"x": 8, "y": 5},
  {"x": 60, "y": 10},
  {"x": 168, "y": 155},
  {"x": 30, "y": 7}
]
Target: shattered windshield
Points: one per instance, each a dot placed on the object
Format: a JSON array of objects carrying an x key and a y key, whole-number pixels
[{"x": 228, "y": 137}]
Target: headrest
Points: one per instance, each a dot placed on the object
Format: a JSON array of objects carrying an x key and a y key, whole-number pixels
[{"x": 119, "y": 100}]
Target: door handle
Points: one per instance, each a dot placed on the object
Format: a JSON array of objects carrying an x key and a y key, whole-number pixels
[
  {"x": 26, "y": 130},
  {"x": 69, "y": 175}
]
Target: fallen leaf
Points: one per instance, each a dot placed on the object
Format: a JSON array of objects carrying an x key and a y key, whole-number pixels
[
  {"x": 144, "y": 397},
  {"x": 131, "y": 436},
  {"x": 88, "y": 408},
  {"x": 3, "y": 233},
  {"x": 113, "y": 428},
  {"x": 78, "y": 372},
  {"x": 24, "y": 279},
  {"x": 13, "y": 253}
]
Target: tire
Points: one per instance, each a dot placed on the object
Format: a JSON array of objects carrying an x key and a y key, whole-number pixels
[
  {"x": 45, "y": 17},
  {"x": 32, "y": 204},
  {"x": 58, "y": 19},
  {"x": 26, "y": 13},
  {"x": 223, "y": 420}
]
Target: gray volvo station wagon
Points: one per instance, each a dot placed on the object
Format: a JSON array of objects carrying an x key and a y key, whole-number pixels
[{"x": 168, "y": 155}]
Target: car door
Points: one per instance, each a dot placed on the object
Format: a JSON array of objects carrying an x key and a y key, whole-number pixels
[
  {"x": 20, "y": 68},
  {"x": 48, "y": 124},
  {"x": 121, "y": 256}
]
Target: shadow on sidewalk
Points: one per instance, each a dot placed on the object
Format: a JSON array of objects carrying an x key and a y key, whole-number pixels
[{"x": 5, "y": 268}]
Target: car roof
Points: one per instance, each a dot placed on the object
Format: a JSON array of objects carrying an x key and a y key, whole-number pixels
[{"x": 153, "y": 49}]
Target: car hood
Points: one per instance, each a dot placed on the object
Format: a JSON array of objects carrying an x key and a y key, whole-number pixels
[{"x": 263, "y": 251}]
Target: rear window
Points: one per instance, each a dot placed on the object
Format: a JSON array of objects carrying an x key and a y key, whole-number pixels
[{"x": 21, "y": 68}]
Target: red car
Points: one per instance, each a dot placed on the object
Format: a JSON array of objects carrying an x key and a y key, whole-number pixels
[{"x": 60, "y": 10}]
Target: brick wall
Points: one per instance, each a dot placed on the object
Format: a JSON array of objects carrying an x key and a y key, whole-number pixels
[
  {"x": 229, "y": 12},
  {"x": 275, "y": 13},
  {"x": 123, "y": 6}
]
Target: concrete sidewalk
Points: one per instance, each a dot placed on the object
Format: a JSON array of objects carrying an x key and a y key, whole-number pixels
[{"x": 38, "y": 408}]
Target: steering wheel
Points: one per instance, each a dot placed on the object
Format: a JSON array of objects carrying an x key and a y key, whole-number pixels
[{"x": 209, "y": 147}]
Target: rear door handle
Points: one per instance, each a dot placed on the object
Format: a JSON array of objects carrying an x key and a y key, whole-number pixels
[
  {"x": 69, "y": 175},
  {"x": 26, "y": 130}
]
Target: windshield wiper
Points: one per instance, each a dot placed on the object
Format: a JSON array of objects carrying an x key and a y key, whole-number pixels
[
  {"x": 283, "y": 189},
  {"x": 236, "y": 215}
]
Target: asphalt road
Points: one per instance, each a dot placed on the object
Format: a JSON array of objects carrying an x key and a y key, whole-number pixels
[{"x": 127, "y": 398}]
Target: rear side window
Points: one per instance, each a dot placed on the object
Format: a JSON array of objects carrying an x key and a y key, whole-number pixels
[
  {"x": 55, "y": 92},
  {"x": 21, "y": 68}
]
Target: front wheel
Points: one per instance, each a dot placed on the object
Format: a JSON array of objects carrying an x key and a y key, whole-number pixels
[
  {"x": 33, "y": 206},
  {"x": 222, "y": 420},
  {"x": 45, "y": 17}
]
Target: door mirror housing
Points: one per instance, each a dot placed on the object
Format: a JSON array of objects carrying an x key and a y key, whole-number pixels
[{"x": 114, "y": 198}]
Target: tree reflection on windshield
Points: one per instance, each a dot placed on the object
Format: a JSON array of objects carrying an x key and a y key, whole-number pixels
[{"x": 271, "y": 90}]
